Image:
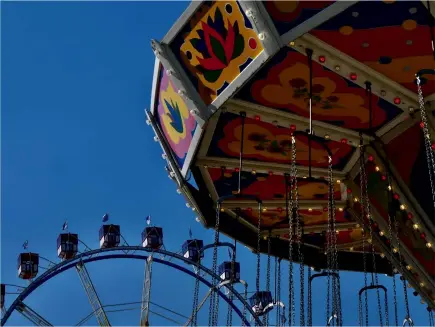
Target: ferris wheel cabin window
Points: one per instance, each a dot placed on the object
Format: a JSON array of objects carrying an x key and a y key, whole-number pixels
[
  {"x": 110, "y": 236},
  {"x": 28, "y": 265},
  {"x": 67, "y": 245}
]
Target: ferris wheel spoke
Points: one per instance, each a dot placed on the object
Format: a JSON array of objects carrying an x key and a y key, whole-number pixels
[
  {"x": 146, "y": 293},
  {"x": 32, "y": 315},
  {"x": 94, "y": 300},
  {"x": 200, "y": 305}
]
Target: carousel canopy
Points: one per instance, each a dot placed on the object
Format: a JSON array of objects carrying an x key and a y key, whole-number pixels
[{"x": 234, "y": 81}]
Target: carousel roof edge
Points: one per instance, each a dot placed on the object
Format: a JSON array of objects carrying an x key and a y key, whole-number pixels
[{"x": 181, "y": 21}]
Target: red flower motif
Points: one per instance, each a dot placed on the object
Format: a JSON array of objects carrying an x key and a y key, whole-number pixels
[
  {"x": 216, "y": 60},
  {"x": 298, "y": 82}
]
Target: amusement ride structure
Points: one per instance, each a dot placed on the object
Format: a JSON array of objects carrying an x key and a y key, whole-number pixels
[{"x": 303, "y": 130}]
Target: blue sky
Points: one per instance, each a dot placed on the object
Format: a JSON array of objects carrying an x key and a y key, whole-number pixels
[{"x": 76, "y": 78}]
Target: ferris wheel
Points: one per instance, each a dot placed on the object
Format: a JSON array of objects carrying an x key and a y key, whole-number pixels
[{"x": 152, "y": 251}]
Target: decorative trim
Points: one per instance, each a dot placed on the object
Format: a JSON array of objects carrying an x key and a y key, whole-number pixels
[
  {"x": 166, "y": 149},
  {"x": 209, "y": 184},
  {"x": 192, "y": 150},
  {"x": 209, "y": 133},
  {"x": 264, "y": 167},
  {"x": 312, "y": 229},
  {"x": 408, "y": 257},
  {"x": 263, "y": 25},
  {"x": 154, "y": 85},
  {"x": 399, "y": 186},
  {"x": 239, "y": 81},
  {"x": 316, "y": 20},
  {"x": 283, "y": 118},
  {"x": 181, "y": 21},
  {"x": 180, "y": 80},
  {"x": 394, "y": 260},
  {"x": 274, "y": 204}
]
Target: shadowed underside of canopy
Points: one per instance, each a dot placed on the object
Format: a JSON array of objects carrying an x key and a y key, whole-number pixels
[{"x": 222, "y": 59}]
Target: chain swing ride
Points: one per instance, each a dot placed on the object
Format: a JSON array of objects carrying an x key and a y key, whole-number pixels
[{"x": 308, "y": 130}]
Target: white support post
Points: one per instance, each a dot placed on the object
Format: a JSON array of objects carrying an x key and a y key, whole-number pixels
[{"x": 146, "y": 293}]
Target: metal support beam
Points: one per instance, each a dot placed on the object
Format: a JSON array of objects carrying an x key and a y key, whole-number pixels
[
  {"x": 285, "y": 119},
  {"x": 178, "y": 178},
  {"x": 313, "y": 229},
  {"x": 32, "y": 315},
  {"x": 264, "y": 167},
  {"x": 94, "y": 300},
  {"x": 275, "y": 204},
  {"x": 406, "y": 254},
  {"x": 311, "y": 23},
  {"x": 146, "y": 293},
  {"x": 179, "y": 78},
  {"x": 406, "y": 196},
  {"x": 263, "y": 26},
  {"x": 379, "y": 82}
]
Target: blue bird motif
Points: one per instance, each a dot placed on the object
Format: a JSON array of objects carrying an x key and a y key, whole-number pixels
[{"x": 175, "y": 116}]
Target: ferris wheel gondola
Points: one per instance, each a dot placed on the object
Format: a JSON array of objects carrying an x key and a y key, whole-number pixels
[{"x": 67, "y": 251}]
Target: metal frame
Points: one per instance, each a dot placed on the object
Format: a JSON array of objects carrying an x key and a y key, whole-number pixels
[
  {"x": 406, "y": 197},
  {"x": 283, "y": 118},
  {"x": 94, "y": 300},
  {"x": 146, "y": 293},
  {"x": 193, "y": 148},
  {"x": 349, "y": 65},
  {"x": 263, "y": 167},
  {"x": 314, "y": 229},
  {"x": 153, "y": 109},
  {"x": 91, "y": 256},
  {"x": 263, "y": 26},
  {"x": 178, "y": 76},
  {"x": 184, "y": 18},
  {"x": 387, "y": 251},
  {"x": 269, "y": 204},
  {"x": 32, "y": 315},
  {"x": 166, "y": 148},
  {"x": 316, "y": 20}
]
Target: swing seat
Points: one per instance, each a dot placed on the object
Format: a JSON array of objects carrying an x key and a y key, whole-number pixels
[{"x": 261, "y": 302}]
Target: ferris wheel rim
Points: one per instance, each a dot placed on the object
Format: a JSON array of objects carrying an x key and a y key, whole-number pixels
[{"x": 87, "y": 257}]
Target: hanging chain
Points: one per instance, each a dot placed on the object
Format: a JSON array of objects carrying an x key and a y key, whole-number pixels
[
  {"x": 310, "y": 302},
  {"x": 194, "y": 321},
  {"x": 279, "y": 314},
  {"x": 214, "y": 297},
  {"x": 390, "y": 237},
  {"x": 328, "y": 255},
  {"x": 396, "y": 240},
  {"x": 332, "y": 251},
  {"x": 289, "y": 213},
  {"x": 257, "y": 280},
  {"x": 427, "y": 141},
  {"x": 431, "y": 317},
  {"x": 366, "y": 203},
  {"x": 299, "y": 227},
  {"x": 230, "y": 310},
  {"x": 269, "y": 248},
  {"x": 245, "y": 297},
  {"x": 233, "y": 275}
]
